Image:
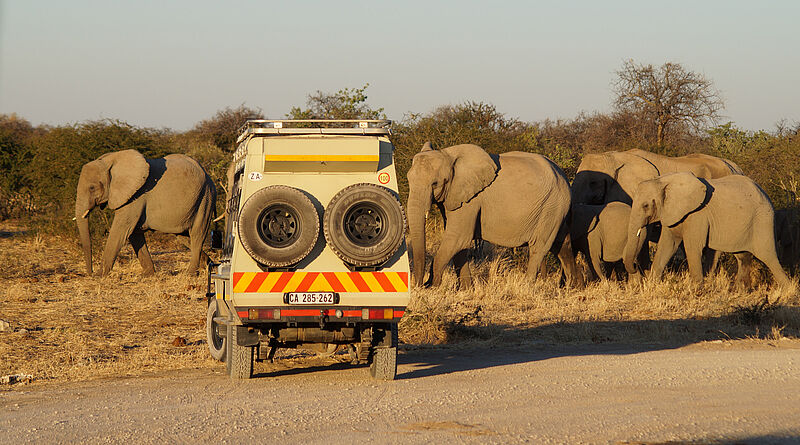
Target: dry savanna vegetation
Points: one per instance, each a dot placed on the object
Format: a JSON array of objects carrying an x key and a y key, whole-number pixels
[{"x": 65, "y": 326}]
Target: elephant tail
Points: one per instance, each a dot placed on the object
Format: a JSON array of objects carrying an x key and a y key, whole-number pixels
[{"x": 215, "y": 218}]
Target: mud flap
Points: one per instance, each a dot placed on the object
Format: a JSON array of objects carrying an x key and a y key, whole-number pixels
[{"x": 246, "y": 336}]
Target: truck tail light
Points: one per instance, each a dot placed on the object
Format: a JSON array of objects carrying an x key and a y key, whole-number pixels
[
  {"x": 377, "y": 314},
  {"x": 264, "y": 314}
]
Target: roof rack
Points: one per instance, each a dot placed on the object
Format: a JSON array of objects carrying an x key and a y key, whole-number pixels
[{"x": 283, "y": 127}]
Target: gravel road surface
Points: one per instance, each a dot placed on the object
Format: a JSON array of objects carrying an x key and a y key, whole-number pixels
[{"x": 732, "y": 392}]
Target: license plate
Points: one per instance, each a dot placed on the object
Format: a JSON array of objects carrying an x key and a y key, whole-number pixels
[{"x": 310, "y": 297}]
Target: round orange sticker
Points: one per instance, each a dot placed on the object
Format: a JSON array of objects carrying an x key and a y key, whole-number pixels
[{"x": 383, "y": 178}]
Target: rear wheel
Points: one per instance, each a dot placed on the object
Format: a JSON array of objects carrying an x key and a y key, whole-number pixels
[
  {"x": 239, "y": 358},
  {"x": 216, "y": 343},
  {"x": 278, "y": 226},
  {"x": 364, "y": 224}
]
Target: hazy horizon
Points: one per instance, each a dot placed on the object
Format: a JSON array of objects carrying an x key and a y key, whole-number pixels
[{"x": 172, "y": 64}]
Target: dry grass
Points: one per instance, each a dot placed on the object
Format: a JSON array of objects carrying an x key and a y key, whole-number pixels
[
  {"x": 69, "y": 327},
  {"x": 505, "y": 306}
]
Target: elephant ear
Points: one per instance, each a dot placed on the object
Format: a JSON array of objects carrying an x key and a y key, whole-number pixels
[
  {"x": 128, "y": 171},
  {"x": 473, "y": 171},
  {"x": 683, "y": 194}
]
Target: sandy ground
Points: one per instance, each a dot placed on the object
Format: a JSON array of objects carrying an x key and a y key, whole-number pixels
[{"x": 721, "y": 392}]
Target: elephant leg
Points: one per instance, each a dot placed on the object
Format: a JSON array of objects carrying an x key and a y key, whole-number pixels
[
  {"x": 535, "y": 258},
  {"x": 764, "y": 249},
  {"x": 619, "y": 270},
  {"x": 199, "y": 232},
  {"x": 595, "y": 250},
  {"x": 457, "y": 237},
  {"x": 667, "y": 245},
  {"x": 543, "y": 268},
  {"x": 770, "y": 258},
  {"x": 561, "y": 245},
  {"x": 139, "y": 244},
  {"x": 118, "y": 235},
  {"x": 187, "y": 241},
  {"x": 592, "y": 273},
  {"x": 694, "y": 256},
  {"x": 744, "y": 261},
  {"x": 580, "y": 245},
  {"x": 461, "y": 265},
  {"x": 710, "y": 261},
  {"x": 443, "y": 256}
]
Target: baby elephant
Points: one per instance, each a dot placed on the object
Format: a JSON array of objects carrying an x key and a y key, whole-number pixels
[{"x": 599, "y": 232}]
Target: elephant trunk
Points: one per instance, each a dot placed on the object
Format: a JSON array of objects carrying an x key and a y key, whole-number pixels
[
  {"x": 637, "y": 235},
  {"x": 82, "y": 219},
  {"x": 419, "y": 202}
]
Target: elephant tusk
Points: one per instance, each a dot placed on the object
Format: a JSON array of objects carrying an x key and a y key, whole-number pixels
[
  {"x": 639, "y": 232},
  {"x": 219, "y": 218},
  {"x": 86, "y": 213}
]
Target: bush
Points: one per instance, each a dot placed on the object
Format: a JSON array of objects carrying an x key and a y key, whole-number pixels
[
  {"x": 348, "y": 103},
  {"x": 15, "y": 195},
  {"x": 223, "y": 129},
  {"x": 771, "y": 160},
  {"x": 468, "y": 123}
]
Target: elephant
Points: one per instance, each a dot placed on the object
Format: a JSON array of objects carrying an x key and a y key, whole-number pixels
[
  {"x": 172, "y": 194},
  {"x": 701, "y": 165},
  {"x": 729, "y": 214},
  {"x": 614, "y": 175},
  {"x": 508, "y": 200},
  {"x": 787, "y": 236},
  {"x": 598, "y": 232}
]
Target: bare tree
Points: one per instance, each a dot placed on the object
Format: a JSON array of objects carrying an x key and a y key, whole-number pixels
[{"x": 667, "y": 95}]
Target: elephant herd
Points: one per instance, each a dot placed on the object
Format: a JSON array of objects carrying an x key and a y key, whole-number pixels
[{"x": 617, "y": 201}]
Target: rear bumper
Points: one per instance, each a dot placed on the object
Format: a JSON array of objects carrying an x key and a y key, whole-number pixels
[{"x": 326, "y": 314}]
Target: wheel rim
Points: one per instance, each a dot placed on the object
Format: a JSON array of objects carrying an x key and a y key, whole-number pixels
[
  {"x": 216, "y": 340},
  {"x": 364, "y": 224},
  {"x": 278, "y": 225}
]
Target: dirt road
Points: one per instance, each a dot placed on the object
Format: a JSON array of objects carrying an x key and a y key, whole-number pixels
[{"x": 740, "y": 392}]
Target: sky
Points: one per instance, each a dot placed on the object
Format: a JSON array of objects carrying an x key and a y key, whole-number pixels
[{"x": 173, "y": 63}]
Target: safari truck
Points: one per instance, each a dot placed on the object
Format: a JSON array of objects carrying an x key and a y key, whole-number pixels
[{"x": 313, "y": 253}]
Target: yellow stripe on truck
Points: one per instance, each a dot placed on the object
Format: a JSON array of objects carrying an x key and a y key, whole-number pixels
[
  {"x": 372, "y": 282},
  {"x": 397, "y": 282},
  {"x": 242, "y": 284},
  {"x": 347, "y": 283},
  {"x": 269, "y": 282},
  {"x": 321, "y": 158}
]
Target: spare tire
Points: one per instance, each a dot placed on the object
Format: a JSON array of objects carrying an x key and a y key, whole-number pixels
[
  {"x": 278, "y": 226},
  {"x": 364, "y": 224}
]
